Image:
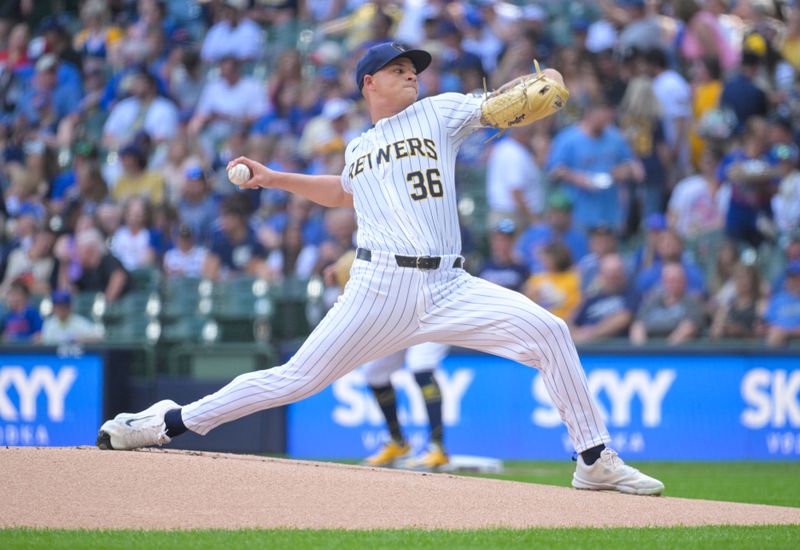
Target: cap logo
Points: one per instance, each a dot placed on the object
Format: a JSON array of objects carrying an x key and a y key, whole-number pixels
[{"x": 397, "y": 46}]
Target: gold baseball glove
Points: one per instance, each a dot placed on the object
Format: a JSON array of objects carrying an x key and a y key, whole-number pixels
[{"x": 532, "y": 98}]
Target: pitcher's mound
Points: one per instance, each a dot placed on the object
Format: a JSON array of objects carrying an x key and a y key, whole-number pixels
[{"x": 157, "y": 489}]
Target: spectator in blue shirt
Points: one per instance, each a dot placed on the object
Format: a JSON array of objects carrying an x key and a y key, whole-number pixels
[
  {"x": 748, "y": 171},
  {"x": 608, "y": 312},
  {"x": 783, "y": 312},
  {"x": 669, "y": 249},
  {"x": 197, "y": 208},
  {"x": 46, "y": 101},
  {"x": 742, "y": 95},
  {"x": 235, "y": 249},
  {"x": 591, "y": 159},
  {"x": 501, "y": 268},
  {"x": 557, "y": 227},
  {"x": 21, "y": 323}
]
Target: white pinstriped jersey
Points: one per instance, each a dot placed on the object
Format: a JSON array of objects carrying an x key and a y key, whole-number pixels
[{"x": 401, "y": 173}]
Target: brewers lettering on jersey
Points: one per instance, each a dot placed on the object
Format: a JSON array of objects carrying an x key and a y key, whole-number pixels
[{"x": 407, "y": 285}]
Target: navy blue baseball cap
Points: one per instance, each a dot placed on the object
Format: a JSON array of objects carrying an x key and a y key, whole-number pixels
[{"x": 377, "y": 57}]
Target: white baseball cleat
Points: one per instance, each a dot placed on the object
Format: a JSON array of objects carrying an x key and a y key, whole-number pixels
[
  {"x": 134, "y": 430},
  {"x": 610, "y": 473}
]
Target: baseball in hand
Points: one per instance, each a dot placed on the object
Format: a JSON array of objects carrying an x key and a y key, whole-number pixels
[{"x": 239, "y": 173}]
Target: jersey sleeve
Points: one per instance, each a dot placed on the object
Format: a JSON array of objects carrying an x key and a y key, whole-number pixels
[
  {"x": 348, "y": 155},
  {"x": 460, "y": 113}
]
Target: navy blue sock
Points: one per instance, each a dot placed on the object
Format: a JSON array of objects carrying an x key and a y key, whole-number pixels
[
  {"x": 387, "y": 401},
  {"x": 174, "y": 422},
  {"x": 590, "y": 456},
  {"x": 433, "y": 403}
]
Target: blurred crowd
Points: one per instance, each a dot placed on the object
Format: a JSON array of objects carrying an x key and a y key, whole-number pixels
[{"x": 663, "y": 203}]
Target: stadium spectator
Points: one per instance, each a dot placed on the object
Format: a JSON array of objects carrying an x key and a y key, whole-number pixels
[
  {"x": 502, "y": 268},
  {"x": 229, "y": 102},
  {"x": 607, "y": 312},
  {"x": 143, "y": 111},
  {"x": 340, "y": 226},
  {"x": 134, "y": 244},
  {"x": 97, "y": 37},
  {"x": 181, "y": 156},
  {"x": 100, "y": 271},
  {"x": 720, "y": 275},
  {"x": 640, "y": 27},
  {"x": 556, "y": 227},
  {"x": 514, "y": 182},
  {"x": 186, "y": 258},
  {"x": 748, "y": 171},
  {"x": 669, "y": 249},
  {"x": 671, "y": 312},
  {"x": 640, "y": 122},
  {"x": 602, "y": 241},
  {"x": 704, "y": 36},
  {"x": 590, "y": 160},
  {"x": 57, "y": 40},
  {"x": 329, "y": 131},
  {"x": 706, "y": 81},
  {"x": 197, "y": 208},
  {"x": 82, "y": 182},
  {"x": 739, "y": 317},
  {"x": 558, "y": 287},
  {"x": 698, "y": 204},
  {"x": 14, "y": 57},
  {"x": 675, "y": 100},
  {"x": 86, "y": 122},
  {"x": 786, "y": 201},
  {"x": 742, "y": 94},
  {"x": 136, "y": 180},
  {"x": 108, "y": 218},
  {"x": 64, "y": 326},
  {"x": 21, "y": 321},
  {"x": 783, "y": 311},
  {"x": 292, "y": 258},
  {"x": 234, "y": 248},
  {"x": 233, "y": 34},
  {"x": 48, "y": 100},
  {"x": 185, "y": 79},
  {"x": 32, "y": 265}
]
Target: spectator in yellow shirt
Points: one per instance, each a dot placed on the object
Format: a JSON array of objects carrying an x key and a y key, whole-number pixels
[
  {"x": 136, "y": 180},
  {"x": 707, "y": 89},
  {"x": 558, "y": 287}
]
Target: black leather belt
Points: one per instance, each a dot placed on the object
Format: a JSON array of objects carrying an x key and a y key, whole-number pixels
[{"x": 418, "y": 262}]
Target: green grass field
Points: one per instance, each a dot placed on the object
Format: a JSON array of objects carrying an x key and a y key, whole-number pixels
[{"x": 777, "y": 484}]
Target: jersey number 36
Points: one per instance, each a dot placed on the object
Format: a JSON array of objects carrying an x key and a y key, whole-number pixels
[{"x": 425, "y": 185}]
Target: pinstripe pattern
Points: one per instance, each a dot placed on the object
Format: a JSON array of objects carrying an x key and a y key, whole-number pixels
[
  {"x": 386, "y": 308},
  {"x": 425, "y": 357}
]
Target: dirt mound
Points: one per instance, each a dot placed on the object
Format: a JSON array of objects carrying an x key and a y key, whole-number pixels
[{"x": 157, "y": 489}]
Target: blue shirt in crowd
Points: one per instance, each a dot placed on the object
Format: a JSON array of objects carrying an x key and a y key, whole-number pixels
[
  {"x": 21, "y": 326},
  {"x": 575, "y": 149},
  {"x": 783, "y": 310},
  {"x": 530, "y": 244}
]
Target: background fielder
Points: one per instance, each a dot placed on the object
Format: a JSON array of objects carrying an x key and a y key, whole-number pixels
[
  {"x": 422, "y": 361},
  {"x": 407, "y": 285}
]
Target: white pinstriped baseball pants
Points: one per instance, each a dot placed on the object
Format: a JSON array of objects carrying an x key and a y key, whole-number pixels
[
  {"x": 425, "y": 357},
  {"x": 386, "y": 308}
]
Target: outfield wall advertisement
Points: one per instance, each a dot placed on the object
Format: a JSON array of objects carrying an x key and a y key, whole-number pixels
[
  {"x": 50, "y": 400},
  {"x": 661, "y": 407}
]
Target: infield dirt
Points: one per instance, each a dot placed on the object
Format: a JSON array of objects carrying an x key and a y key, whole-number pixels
[{"x": 160, "y": 489}]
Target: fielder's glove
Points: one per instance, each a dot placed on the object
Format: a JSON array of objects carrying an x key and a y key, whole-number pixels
[{"x": 533, "y": 98}]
